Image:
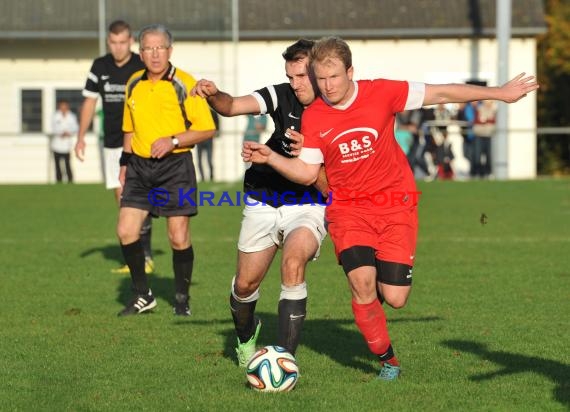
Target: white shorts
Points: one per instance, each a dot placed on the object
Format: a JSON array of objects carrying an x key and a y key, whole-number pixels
[
  {"x": 264, "y": 226},
  {"x": 111, "y": 157}
]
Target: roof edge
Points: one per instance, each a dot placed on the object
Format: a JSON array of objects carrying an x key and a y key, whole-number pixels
[{"x": 268, "y": 35}]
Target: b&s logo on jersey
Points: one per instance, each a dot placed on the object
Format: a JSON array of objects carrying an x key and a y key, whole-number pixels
[{"x": 356, "y": 144}]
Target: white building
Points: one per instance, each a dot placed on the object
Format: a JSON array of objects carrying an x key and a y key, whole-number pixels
[{"x": 46, "y": 49}]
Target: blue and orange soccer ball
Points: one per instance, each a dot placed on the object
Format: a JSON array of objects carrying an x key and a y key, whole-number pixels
[{"x": 272, "y": 369}]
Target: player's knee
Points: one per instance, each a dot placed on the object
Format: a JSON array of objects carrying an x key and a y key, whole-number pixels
[
  {"x": 245, "y": 289},
  {"x": 179, "y": 239},
  {"x": 125, "y": 234},
  {"x": 396, "y": 301},
  {"x": 292, "y": 271},
  {"x": 363, "y": 286}
]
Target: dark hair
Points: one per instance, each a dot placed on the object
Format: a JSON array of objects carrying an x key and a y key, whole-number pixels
[
  {"x": 119, "y": 26},
  {"x": 298, "y": 50}
]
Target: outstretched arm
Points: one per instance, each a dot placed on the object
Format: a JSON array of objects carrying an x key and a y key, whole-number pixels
[
  {"x": 510, "y": 92},
  {"x": 223, "y": 103},
  {"x": 293, "y": 168}
]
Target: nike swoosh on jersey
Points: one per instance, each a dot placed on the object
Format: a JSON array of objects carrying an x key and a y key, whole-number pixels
[
  {"x": 293, "y": 116},
  {"x": 323, "y": 134},
  {"x": 104, "y": 77}
]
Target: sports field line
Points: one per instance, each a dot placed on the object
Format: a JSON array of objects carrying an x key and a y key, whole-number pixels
[{"x": 514, "y": 239}]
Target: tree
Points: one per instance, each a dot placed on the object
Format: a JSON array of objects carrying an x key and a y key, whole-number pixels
[{"x": 554, "y": 78}]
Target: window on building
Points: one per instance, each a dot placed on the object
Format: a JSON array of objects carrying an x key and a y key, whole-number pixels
[
  {"x": 74, "y": 97},
  {"x": 31, "y": 104}
]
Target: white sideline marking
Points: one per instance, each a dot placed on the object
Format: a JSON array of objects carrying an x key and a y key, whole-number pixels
[{"x": 526, "y": 239}]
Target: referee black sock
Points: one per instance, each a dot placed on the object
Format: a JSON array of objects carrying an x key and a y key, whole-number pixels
[
  {"x": 133, "y": 254},
  {"x": 183, "y": 265},
  {"x": 146, "y": 234}
]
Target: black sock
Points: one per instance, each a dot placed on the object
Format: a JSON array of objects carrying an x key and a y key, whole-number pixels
[
  {"x": 146, "y": 234},
  {"x": 291, "y": 318},
  {"x": 133, "y": 254},
  {"x": 389, "y": 357},
  {"x": 242, "y": 314},
  {"x": 183, "y": 264}
]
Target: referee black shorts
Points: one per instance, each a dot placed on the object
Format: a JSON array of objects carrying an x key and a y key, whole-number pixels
[{"x": 163, "y": 187}]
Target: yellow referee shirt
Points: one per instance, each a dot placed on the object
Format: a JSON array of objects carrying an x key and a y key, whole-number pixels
[{"x": 153, "y": 109}]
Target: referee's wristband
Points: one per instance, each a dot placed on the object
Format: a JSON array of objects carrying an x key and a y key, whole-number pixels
[{"x": 125, "y": 157}]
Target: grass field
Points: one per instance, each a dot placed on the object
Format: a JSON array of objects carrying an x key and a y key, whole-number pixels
[{"x": 487, "y": 326}]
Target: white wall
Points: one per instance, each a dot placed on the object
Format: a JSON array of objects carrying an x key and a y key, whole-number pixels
[
  {"x": 260, "y": 64},
  {"x": 29, "y": 160}
]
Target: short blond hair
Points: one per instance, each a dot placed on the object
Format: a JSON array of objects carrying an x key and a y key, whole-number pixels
[{"x": 329, "y": 47}]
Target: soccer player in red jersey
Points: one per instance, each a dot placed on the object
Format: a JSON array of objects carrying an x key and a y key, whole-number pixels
[{"x": 372, "y": 217}]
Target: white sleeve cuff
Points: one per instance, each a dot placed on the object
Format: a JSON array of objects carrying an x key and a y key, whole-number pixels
[
  {"x": 416, "y": 95},
  {"x": 311, "y": 156}
]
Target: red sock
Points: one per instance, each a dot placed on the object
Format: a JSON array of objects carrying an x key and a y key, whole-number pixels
[
  {"x": 393, "y": 361},
  {"x": 371, "y": 321}
]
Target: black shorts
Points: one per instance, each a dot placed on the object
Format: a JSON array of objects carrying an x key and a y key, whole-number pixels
[
  {"x": 163, "y": 187},
  {"x": 391, "y": 273}
]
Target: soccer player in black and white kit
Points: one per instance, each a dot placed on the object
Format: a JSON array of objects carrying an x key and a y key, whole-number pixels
[
  {"x": 267, "y": 224},
  {"x": 107, "y": 78}
]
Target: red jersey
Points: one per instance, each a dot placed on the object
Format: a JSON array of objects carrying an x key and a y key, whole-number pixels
[{"x": 365, "y": 166}]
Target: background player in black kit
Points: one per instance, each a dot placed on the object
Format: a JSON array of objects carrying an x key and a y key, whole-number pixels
[
  {"x": 107, "y": 78},
  {"x": 267, "y": 226}
]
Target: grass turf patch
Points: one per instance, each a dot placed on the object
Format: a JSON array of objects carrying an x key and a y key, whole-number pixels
[{"x": 486, "y": 326}]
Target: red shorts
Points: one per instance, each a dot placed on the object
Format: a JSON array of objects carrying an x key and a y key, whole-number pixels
[{"x": 392, "y": 236}]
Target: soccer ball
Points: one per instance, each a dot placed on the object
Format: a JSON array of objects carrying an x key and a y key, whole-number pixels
[{"x": 272, "y": 369}]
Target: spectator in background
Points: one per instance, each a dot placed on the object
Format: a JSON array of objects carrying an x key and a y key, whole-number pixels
[
  {"x": 444, "y": 157},
  {"x": 64, "y": 127},
  {"x": 206, "y": 148},
  {"x": 483, "y": 129},
  {"x": 442, "y": 153},
  {"x": 442, "y": 115},
  {"x": 466, "y": 114},
  {"x": 426, "y": 155},
  {"x": 416, "y": 156},
  {"x": 405, "y": 129},
  {"x": 255, "y": 126}
]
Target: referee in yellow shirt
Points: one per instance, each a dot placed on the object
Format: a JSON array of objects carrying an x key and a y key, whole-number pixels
[{"x": 161, "y": 122}]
